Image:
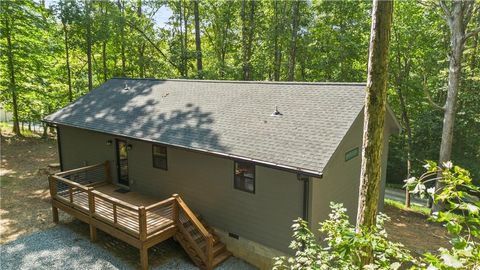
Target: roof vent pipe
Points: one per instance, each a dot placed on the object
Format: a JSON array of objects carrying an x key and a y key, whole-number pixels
[{"x": 276, "y": 112}]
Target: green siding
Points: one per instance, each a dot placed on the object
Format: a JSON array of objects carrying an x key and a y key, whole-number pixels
[{"x": 205, "y": 182}]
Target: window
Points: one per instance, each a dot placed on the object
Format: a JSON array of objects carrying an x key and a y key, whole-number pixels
[
  {"x": 244, "y": 176},
  {"x": 351, "y": 154},
  {"x": 159, "y": 154}
]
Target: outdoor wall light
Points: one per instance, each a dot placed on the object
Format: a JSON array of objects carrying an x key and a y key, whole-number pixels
[
  {"x": 109, "y": 142},
  {"x": 129, "y": 147}
]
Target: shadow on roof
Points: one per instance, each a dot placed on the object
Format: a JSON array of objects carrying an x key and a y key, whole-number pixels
[{"x": 126, "y": 111}]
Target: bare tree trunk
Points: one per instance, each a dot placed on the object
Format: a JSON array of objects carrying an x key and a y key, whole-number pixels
[
  {"x": 89, "y": 44},
  {"x": 121, "y": 7},
  {"x": 457, "y": 15},
  {"x": 185, "y": 36},
  {"x": 406, "y": 121},
  {"x": 374, "y": 119},
  {"x": 247, "y": 39},
  {"x": 11, "y": 71},
  {"x": 293, "y": 41},
  {"x": 104, "y": 60},
  {"x": 402, "y": 74},
  {"x": 141, "y": 49},
  {"x": 279, "y": 28},
  {"x": 198, "y": 42},
  {"x": 67, "y": 61}
]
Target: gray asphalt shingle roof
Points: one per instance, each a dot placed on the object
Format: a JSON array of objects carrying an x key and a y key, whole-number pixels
[{"x": 225, "y": 117}]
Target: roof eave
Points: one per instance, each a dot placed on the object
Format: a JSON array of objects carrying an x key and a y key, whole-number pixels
[{"x": 303, "y": 171}]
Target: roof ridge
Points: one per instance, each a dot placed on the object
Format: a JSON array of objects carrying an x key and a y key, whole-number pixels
[{"x": 244, "y": 82}]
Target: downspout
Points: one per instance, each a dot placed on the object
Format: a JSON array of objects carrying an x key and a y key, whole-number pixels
[
  {"x": 59, "y": 147},
  {"x": 306, "y": 192},
  {"x": 306, "y": 195}
]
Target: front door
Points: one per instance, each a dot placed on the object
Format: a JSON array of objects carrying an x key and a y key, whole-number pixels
[{"x": 122, "y": 162}]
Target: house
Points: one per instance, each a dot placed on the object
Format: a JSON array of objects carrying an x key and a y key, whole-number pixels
[{"x": 249, "y": 157}]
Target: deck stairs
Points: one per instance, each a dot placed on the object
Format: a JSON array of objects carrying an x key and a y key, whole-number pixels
[{"x": 195, "y": 244}]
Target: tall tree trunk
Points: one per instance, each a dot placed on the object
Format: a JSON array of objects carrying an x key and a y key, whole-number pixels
[
  {"x": 374, "y": 119},
  {"x": 141, "y": 47},
  {"x": 185, "y": 37},
  {"x": 247, "y": 39},
  {"x": 406, "y": 121},
  {"x": 279, "y": 28},
  {"x": 104, "y": 60},
  {"x": 89, "y": 44},
  {"x": 121, "y": 7},
  {"x": 293, "y": 41},
  {"x": 104, "y": 44},
  {"x": 457, "y": 15},
  {"x": 11, "y": 71},
  {"x": 67, "y": 61},
  {"x": 402, "y": 75},
  {"x": 183, "y": 45},
  {"x": 198, "y": 43}
]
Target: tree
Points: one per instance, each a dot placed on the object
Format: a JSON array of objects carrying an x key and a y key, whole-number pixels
[
  {"x": 293, "y": 40},
  {"x": 9, "y": 21},
  {"x": 88, "y": 42},
  {"x": 248, "y": 27},
  {"x": 457, "y": 14},
  {"x": 374, "y": 119},
  {"x": 198, "y": 42}
]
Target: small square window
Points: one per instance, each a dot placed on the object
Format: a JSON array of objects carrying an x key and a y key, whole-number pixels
[
  {"x": 244, "y": 178},
  {"x": 159, "y": 154}
]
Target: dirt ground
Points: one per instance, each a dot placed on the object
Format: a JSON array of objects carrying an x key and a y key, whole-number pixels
[
  {"x": 414, "y": 231},
  {"x": 24, "y": 195},
  {"x": 25, "y": 207}
]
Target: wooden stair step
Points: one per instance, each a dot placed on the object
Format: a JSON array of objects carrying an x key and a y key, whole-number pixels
[{"x": 221, "y": 257}]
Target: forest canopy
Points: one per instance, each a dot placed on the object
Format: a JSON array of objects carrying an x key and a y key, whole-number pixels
[{"x": 54, "y": 52}]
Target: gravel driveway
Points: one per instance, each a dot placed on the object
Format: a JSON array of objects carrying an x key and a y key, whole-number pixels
[{"x": 68, "y": 247}]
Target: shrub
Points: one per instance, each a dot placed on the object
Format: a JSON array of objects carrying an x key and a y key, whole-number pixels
[{"x": 341, "y": 246}]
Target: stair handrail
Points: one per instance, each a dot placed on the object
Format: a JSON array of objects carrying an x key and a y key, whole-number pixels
[{"x": 193, "y": 218}]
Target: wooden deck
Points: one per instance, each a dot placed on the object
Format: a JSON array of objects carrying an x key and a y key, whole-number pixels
[
  {"x": 88, "y": 194},
  {"x": 127, "y": 218}
]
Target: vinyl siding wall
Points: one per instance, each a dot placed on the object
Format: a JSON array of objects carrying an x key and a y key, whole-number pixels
[
  {"x": 205, "y": 182},
  {"x": 341, "y": 179}
]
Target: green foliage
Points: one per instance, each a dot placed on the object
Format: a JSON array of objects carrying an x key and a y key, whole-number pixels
[
  {"x": 460, "y": 196},
  {"x": 342, "y": 246},
  {"x": 332, "y": 43}
]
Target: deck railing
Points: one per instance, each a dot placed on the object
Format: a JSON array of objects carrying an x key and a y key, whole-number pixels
[
  {"x": 76, "y": 189},
  {"x": 194, "y": 231}
]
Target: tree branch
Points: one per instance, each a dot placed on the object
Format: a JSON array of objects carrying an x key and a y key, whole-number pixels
[
  {"x": 446, "y": 11},
  {"x": 443, "y": 5},
  {"x": 471, "y": 34},
  {"x": 153, "y": 45},
  {"x": 467, "y": 10},
  {"x": 429, "y": 98}
]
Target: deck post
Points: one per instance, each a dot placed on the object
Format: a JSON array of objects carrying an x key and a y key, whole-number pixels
[
  {"x": 91, "y": 211},
  {"x": 108, "y": 173},
  {"x": 142, "y": 223},
  {"x": 144, "y": 257},
  {"x": 55, "y": 214},
  {"x": 53, "y": 192},
  {"x": 210, "y": 252},
  {"x": 175, "y": 209}
]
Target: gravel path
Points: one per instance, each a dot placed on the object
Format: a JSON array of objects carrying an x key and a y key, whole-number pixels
[{"x": 68, "y": 247}]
